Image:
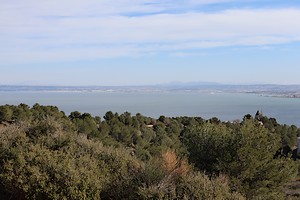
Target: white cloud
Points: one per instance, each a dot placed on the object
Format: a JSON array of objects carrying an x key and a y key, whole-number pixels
[{"x": 67, "y": 30}]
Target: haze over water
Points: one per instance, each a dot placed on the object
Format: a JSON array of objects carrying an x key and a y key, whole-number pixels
[{"x": 225, "y": 106}]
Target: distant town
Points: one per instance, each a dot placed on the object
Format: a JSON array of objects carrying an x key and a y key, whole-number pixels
[{"x": 284, "y": 91}]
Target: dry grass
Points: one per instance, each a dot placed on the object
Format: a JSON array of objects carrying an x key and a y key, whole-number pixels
[
  {"x": 173, "y": 164},
  {"x": 170, "y": 160}
]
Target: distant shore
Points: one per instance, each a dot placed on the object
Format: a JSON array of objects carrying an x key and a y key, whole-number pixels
[{"x": 281, "y": 91}]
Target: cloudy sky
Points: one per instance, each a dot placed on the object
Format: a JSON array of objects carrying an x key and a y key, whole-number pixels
[{"x": 137, "y": 42}]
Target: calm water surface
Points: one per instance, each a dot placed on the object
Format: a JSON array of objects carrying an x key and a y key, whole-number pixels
[{"x": 222, "y": 105}]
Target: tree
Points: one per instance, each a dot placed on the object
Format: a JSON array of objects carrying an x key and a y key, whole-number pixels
[
  {"x": 22, "y": 113},
  {"x": 75, "y": 115},
  {"x": 209, "y": 146},
  {"x": 125, "y": 118},
  {"x": 6, "y": 113},
  {"x": 109, "y": 116},
  {"x": 254, "y": 171},
  {"x": 245, "y": 154},
  {"x": 85, "y": 123}
]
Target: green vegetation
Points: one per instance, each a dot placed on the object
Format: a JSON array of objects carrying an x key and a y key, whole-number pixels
[{"x": 45, "y": 154}]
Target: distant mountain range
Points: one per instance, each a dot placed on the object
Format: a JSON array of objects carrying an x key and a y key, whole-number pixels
[{"x": 289, "y": 91}]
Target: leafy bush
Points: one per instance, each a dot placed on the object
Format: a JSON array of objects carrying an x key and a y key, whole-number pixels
[{"x": 46, "y": 155}]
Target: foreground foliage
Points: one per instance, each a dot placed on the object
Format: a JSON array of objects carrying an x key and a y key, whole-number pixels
[{"x": 45, "y": 154}]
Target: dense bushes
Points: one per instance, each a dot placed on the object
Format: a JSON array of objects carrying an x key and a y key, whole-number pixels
[
  {"x": 46, "y": 155},
  {"x": 83, "y": 169},
  {"x": 80, "y": 169},
  {"x": 245, "y": 154}
]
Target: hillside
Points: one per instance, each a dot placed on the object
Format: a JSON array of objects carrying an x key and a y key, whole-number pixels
[{"x": 48, "y": 155}]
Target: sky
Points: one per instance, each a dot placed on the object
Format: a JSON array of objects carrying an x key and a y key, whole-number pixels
[{"x": 145, "y": 42}]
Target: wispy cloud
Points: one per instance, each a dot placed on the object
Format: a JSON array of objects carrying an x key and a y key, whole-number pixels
[{"x": 35, "y": 31}]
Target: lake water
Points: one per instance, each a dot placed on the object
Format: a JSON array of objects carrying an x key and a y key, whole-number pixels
[{"x": 222, "y": 105}]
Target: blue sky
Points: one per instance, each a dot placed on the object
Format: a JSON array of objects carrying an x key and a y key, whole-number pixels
[{"x": 138, "y": 42}]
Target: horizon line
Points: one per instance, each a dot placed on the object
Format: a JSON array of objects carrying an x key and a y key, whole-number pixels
[{"x": 175, "y": 83}]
